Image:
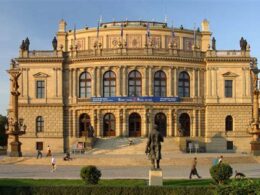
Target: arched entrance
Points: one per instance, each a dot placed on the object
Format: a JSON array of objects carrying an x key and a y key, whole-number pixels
[
  {"x": 160, "y": 120},
  {"x": 184, "y": 121},
  {"x": 109, "y": 125},
  {"x": 84, "y": 121},
  {"x": 134, "y": 125}
]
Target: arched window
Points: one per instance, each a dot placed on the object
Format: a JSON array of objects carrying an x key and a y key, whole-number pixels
[
  {"x": 134, "y": 124},
  {"x": 159, "y": 84},
  {"x": 109, "y": 125},
  {"x": 184, "y": 84},
  {"x": 229, "y": 123},
  {"x": 39, "y": 124},
  {"x": 109, "y": 84},
  {"x": 84, "y": 121},
  {"x": 85, "y": 85},
  {"x": 134, "y": 83}
]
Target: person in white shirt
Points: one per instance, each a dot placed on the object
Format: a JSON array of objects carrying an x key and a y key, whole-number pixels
[{"x": 53, "y": 164}]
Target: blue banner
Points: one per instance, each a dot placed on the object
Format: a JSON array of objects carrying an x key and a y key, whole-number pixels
[{"x": 135, "y": 99}]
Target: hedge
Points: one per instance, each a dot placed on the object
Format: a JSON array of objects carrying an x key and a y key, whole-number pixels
[{"x": 97, "y": 190}]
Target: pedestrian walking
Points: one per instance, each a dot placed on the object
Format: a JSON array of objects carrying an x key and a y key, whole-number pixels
[
  {"x": 194, "y": 169},
  {"x": 220, "y": 160},
  {"x": 39, "y": 154},
  {"x": 48, "y": 151},
  {"x": 53, "y": 164}
]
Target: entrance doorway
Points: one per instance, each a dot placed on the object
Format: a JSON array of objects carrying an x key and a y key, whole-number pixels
[
  {"x": 184, "y": 121},
  {"x": 161, "y": 122},
  {"x": 134, "y": 125},
  {"x": 84, "y": 121},
  {"x": 109, "y": 125}
]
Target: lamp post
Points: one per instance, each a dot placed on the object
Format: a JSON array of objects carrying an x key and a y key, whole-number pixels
[
  {"x": 254, "y": 130},
  {"x": 15, "y": 126}
]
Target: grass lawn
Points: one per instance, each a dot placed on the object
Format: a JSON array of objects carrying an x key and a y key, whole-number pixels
[{"x": 104, "y": 182}]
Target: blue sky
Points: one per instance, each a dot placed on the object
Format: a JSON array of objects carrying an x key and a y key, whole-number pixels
[{"x": 38, "y": 19}]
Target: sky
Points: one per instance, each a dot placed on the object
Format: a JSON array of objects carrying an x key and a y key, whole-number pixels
[{"x": 38, "y": 20}]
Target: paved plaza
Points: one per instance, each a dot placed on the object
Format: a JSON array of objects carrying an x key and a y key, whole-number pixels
[{"x": 174, "y": 166}]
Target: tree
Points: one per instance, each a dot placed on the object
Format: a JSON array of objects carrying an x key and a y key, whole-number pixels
[{"x": 3, "y": 136}]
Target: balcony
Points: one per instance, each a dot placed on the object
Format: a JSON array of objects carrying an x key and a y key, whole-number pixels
[{"x": 227, "y": 53}]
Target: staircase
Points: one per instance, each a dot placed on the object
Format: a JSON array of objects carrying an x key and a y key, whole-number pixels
[{"x": 122, "y": 146}]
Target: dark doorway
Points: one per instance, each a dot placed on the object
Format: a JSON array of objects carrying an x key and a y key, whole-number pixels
[
  {"x": 109, "y": 125},
  {"x": 84, "y": 121},
  {"x": 160, "y": 120},
  {"x": 134, "y": 125},
  {"x": 184, "y": 124}
]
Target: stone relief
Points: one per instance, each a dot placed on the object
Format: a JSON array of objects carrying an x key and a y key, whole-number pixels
[
  {"x": 176, "y": 40},
  {"x": 93, "y": 40},
  {"x": 188, "y": 43},
  {"x": 134, "y": 41}
]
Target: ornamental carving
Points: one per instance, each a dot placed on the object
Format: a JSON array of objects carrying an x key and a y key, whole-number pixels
[
  {"x": 175, "y": 41},
  {"x": 188, "y": 43},
  {"x": 134, "y": 41},
  {"x": 113, "y": 41},
  {"x": 93, "y": 40},
  {"x": 81, "y": 44}
]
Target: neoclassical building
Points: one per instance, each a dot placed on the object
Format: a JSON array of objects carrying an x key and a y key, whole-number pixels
[{"x": 124, "y": 77}]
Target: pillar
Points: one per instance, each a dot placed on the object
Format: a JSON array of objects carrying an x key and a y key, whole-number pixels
[
  {"x": 176, "y": 120},
  {"x": 175, "y": 83},
  {"x": 243, "y": 82},
  {"x": 194, "y": 83},
  {"x": 118, "y": 82},
  {"x": 170, "y": 123},
  {"x": 144, "y": 82},
  {"x": 198, "y": 72},
  {"x": 194, "y": 123},
  {"x": 98, "y": 82},
  {"x": 199, "y": 123},
  {"x": 150, "y": 78},
  {"x": 59, "y": 82},
  {"x": 99, "y": 120},
  {"x": 125, "y": 82},
  {"x": 93, "y": 82},
  {"x": 169, "y": 83}
]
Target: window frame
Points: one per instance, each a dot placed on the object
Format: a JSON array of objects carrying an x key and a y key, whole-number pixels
[
  {"x": 182, "y": 82},
  {"x": 134, "y": 76},
  {"x": 39, "y": 124},
  {"x": 230, "y": 88},
  {"x": 86, "y": 80},
  {"x": 40, "y": 90},
  {"x": 229, "y": 123},
  {"x": 110, "y": 86},
  {"x": 158, "y": 88}
]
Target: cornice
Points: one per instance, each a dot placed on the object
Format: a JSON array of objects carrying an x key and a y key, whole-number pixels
[
  {"x": 40, "y": 59},
  {"x": 228, "y": 59}
]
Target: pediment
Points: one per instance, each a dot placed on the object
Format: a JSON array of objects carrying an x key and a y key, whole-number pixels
[
  {"x": 230, "y": 74},
  {"x": 40, "y": 75}
]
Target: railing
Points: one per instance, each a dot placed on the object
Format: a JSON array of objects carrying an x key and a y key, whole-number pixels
[
  {"x": 139, "y": 52},
  {"x": 228, "y": 53},
  {"x": 43, "y": 53}
]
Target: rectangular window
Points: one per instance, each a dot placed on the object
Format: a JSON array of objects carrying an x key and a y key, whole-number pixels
[
  {"x": 228, "y": 88},
  {"x": 40, "y": 89},
  {"x": 229, "y": 145},
  {"x": 39, "y": 145}
]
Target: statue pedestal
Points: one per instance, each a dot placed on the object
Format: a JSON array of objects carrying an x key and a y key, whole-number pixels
[
  {"x": 155, "y": 177},
  {"x": 255, "y": 148},
  {"x": 15, "y": 149}
]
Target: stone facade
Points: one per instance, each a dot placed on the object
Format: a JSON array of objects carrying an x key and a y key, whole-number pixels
[{"x": 198, "y": 116}]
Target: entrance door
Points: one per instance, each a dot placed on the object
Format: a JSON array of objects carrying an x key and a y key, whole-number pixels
[
  {"x": 160, "y": 121},
  {"x": 109, "y": 125},
  {"x": 184, "y": 125},
  {"x": 134, "y": 125},
  {"x": 84, "y": 121}
]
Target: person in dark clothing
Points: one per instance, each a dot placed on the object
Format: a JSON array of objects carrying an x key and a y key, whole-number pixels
[
  {"x": 39, "y": 154},
  {"x": 194, "y": 169}
]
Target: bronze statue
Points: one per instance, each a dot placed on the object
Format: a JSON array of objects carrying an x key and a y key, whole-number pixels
[
  {"x": 213, "y": 43},
  {"x": 243, "y": 44},
  {"x": 27, "y": 44},
  {"x": 153, "y": 147},
  {"x": 90, "y": 130},
  {"x": 22, "y": 46},
  {"x": 54, "y": 44}
]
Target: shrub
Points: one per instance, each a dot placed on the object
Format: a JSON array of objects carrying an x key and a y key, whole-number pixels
[
  {"x": 240, "y": 187},
  {"x": 90, "y": 174},
  {"x": 221, "y": 172}
]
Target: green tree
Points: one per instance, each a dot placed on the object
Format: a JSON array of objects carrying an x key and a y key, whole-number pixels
[{"x": 3, "y": 136}]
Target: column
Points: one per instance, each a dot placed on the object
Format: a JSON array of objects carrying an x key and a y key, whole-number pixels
[
  {"x": 199, "y": 123},
  {"x": 169, "y": 83},
  {"x": 27, "y": 83},
  {"x": 118, "y": 123},
  {"x": 22, "y": 83},
  {"x": 170, "y": 123},
  {"x": 194, "y": 123},
  {"x": 98, "y": 82},
  {"x": 175, "y": 115},
  {"x": 70, "y": 83},
  {"x": 118, "y": 82},
  {"x": 75, "y": 81},
  {"x": 75, "y": 122},
  {"x": 59, "y": 82},
  {"x": 198, "y": 72},
  {"x": 124, "y": 81},
  {"x": 146, "y": 121},
  {"x": 243, "y": 83},
  {"x": 213, "y": 81},
  {"x": 125, "y": 123},
  {"x": 144, "y": 83},
  {"x": 209, "y": 86},
  {"x": 55, "y": 82},
  {"x": 150, "y": 81},
  {"x": 71, "y": 114},
  {"x": 93, "y": 82},
  {"x": 216, "y": 81},
  {"x": 175, "y": 83},
  {"x": 98, "y": 131},
  {"x": 248, "y": 80},
  {"x": 194, "y": 82}
]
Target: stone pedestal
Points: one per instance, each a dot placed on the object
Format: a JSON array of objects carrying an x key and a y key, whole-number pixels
[
  {"x": 255, "y": 148},
  {"x": 15, "y": 149},
  {"x": 155, "y": 177}
]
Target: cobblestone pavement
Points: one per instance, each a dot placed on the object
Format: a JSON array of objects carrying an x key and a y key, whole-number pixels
[{"x": 140, "y": 172}]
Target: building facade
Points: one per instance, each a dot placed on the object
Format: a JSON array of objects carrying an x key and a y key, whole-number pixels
[{"x": 124, "y": 77}]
